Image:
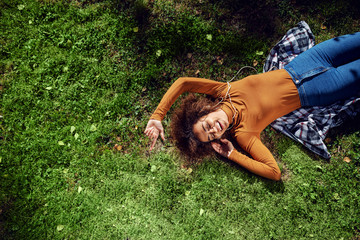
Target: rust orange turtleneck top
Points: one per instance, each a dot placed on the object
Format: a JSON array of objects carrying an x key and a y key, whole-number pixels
[{"x": 259, "y": 100}]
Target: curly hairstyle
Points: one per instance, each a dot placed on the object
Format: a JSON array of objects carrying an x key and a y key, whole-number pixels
[{"x": 183, "y": 119}]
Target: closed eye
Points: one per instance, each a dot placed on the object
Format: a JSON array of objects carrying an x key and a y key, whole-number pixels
[{"x": 205, "y": 131}]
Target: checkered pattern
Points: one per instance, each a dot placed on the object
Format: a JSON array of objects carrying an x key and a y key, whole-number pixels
[{"x": 309, "y": 125}]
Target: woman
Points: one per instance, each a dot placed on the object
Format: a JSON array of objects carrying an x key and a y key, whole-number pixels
[{"x": 322, "y": 75}]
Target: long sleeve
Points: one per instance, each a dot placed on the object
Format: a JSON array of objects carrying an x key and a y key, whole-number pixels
[
  {"x": 263, "y": 162},
  {"x": 182, "y": 85}
]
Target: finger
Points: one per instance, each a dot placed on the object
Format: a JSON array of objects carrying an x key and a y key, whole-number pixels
[
  {"x": 153, "y": 133},
  {"x": 224, "y": 140},
  {"x": 153, "y": 144},
  {"x": 149, "y": 133},
  {"x": 147, "y": 130},
  {"x": 162, "y": 135},
  {"x": 227, "y": 143},
  {"x": 215, "y": 146}
]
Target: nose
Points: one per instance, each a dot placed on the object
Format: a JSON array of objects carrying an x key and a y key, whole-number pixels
[{"x": 213, "y": 129}]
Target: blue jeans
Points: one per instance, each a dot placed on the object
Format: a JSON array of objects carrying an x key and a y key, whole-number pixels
[{"x": 328, "y": 72}]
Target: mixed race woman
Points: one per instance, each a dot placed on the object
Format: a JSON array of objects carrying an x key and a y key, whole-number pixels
[{"x": 322, "y": 75}]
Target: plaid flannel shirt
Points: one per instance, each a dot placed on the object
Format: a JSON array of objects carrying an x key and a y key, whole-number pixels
[{"x": 309, "y": 125}]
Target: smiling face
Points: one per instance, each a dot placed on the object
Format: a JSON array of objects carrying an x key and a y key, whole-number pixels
[{"x": 211, "y": 126}]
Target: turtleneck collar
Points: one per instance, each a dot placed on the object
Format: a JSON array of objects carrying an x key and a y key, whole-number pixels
[{"x": 226, "y": 107}]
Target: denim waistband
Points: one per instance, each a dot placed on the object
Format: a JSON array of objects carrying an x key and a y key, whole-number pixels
[{"x": 299, "y": 76}]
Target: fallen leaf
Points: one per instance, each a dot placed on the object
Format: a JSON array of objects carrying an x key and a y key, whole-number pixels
[
  {"x": 202, "y": 211},
  {"x": 158, "y": 53},
  {"x": 323, "y": 27},
  {"x": 189, "y": 55},
  {"x": 197, "y": 72},
  {"x": 136, "y": 29},
  {"x": 76, "y": 136},
  {"x": 319, "y": 168},
  {"x": 118, "y": 147},
  {"x": 209, "y": 37},
  {"x": 259, "y": 53},
  {"x": 61, "y": 143},
  {"x": 72, "y": 129},
  {"x": 60, "y": 228},
  {"x": 80, "y": 189},
  {"x": 93, "y": 128},
  {"x": 347, "y": 159},
  {"x": 327, "y": 140},
  {"x": 255, "y": 63}
]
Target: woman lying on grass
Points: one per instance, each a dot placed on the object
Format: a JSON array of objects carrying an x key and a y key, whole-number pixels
[{"x": 322, "y": 75}]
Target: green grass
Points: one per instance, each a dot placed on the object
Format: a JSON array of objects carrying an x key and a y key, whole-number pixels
[{"x": 79, "y": 80}]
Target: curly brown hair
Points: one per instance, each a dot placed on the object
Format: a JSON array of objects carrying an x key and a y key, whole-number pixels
[{"x": 192, "y": 108}]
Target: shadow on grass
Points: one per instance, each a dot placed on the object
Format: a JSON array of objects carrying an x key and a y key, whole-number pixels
[
  {"x": 257, "y": 18},
  {"x": 348, "y": 127}
]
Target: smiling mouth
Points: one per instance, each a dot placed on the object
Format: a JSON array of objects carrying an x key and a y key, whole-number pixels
[{"x": 220, "y": 126}]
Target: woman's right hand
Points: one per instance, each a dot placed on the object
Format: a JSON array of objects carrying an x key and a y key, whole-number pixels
[
  {"x": 152, "y": 130},
  {"x": 223, "y": 146}
]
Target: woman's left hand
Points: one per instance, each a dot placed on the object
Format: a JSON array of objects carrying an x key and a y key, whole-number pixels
[
  {"x": 153, "y": 129},
  {"x": 223, "y": 146}
]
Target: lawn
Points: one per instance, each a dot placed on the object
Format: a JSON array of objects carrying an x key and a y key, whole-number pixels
[{"x": 79, "y": 80}]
